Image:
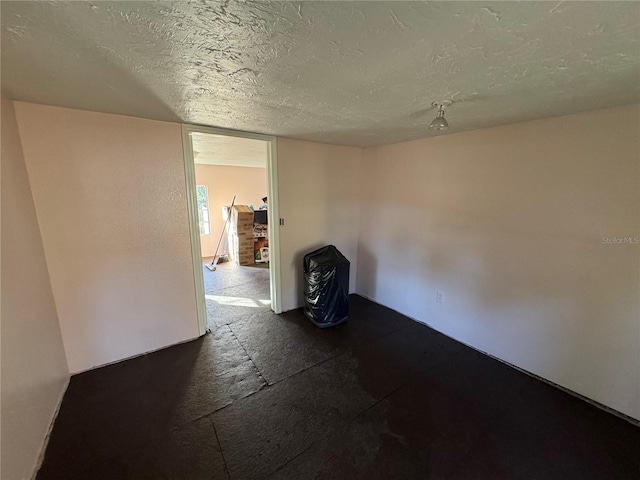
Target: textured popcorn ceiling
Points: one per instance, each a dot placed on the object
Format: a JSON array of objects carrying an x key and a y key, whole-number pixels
[
  {"x": 209, "y": 149},
  {"x": 355, "y": 73}
]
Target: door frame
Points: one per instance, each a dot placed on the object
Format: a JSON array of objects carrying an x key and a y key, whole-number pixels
[{"x": 275, "y": 283}]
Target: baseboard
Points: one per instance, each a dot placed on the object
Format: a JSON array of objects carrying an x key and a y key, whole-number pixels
[
  {"x": 95, "y": 367},
  {"x": 595, "y": 403},
  {"x": 45, "y": 440}
]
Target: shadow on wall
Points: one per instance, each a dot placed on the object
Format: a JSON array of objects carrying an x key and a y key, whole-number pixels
[{"x": 368, "y": 263}]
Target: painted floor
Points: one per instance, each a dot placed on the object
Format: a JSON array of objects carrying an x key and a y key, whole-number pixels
[{"x": 380, "y": 397}]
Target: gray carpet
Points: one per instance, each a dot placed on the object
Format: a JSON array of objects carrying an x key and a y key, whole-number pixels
[{"x": 234, "y": 292}]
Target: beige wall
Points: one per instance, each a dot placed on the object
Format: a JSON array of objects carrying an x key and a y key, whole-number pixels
[
  {"x": 34, "y": 367},
  {"x": 223, "y": 182},
  {"x": 319, "y": 200},
  {"x": 110, "y": 196},
  {"x": 508, "y": 223}
]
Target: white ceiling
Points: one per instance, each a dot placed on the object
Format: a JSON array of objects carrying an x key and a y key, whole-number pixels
[
  {"x": 355, "y": 73},
  {"x": 209, "y": 149}
]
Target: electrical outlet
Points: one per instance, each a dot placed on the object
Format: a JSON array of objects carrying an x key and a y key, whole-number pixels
[{"x": 439, "y": 297}]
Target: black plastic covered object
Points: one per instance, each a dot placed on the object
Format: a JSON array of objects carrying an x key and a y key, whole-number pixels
[{"x": 326, "y": 287}]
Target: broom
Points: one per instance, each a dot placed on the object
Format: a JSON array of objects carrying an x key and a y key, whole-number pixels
[{"x": 212, "y": 266}]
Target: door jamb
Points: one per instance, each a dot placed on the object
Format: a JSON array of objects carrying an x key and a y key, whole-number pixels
[{"x": 272, "y": 212}]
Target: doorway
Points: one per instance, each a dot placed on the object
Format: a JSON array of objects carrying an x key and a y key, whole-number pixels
[{"x": 241, "y": 244}]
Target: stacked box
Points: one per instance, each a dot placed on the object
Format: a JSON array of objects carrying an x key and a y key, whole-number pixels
[
  {"x": 239, "y": 251},
  {"x": 242, "y": 217},
  {"x": 240, "y": 236}
]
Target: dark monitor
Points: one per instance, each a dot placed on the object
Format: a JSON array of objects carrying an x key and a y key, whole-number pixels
[{"x": 260, "y": 216}]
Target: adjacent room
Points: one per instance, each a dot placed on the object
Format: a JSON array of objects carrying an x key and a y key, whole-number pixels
[
  {"x": 320, "y": 240},
  {"x": 231, "y": 187}
]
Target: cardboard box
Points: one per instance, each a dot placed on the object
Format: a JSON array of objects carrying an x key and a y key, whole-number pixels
[
  {"x": 241, "y": 233},
  {"x": 246, "y": 260},
  {"x": 241, "y": 248},
  {"x": 241, "y": 222},
  {"x": 241, "y": 214},
  {"x": 225, "y": 212},
  {"x": 230, "y": 247},
  {"x": 240, "y": 227},
  {"x": 233, "y": 247},
  {"x": 244, "y": 241}
]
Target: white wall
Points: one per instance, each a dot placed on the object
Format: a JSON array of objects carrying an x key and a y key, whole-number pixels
[
  {"x": 34, "y": 367},
  {"x": 319, "y": 200},
  {"x": 110, "y": 196},
  {"x": 508, "y": 223}
]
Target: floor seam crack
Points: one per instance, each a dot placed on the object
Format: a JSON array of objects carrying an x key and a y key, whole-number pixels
[
  {"x": 248, "y": 356},
  {"x": 224, "y": 460}
]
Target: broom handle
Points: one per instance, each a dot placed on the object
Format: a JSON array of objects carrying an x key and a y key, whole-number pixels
[{"x": 214, "y": 262}]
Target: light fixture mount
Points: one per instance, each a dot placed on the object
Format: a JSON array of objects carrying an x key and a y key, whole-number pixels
[
  {"x": 440, "y": 123},
  {"x": 443, "y": 103}
]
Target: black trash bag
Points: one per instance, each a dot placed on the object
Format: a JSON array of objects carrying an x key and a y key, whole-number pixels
[{"x": 326, "y": 287}]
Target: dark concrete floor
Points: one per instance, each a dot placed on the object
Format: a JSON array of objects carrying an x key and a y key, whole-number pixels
[{"x": 380, "y": 397}]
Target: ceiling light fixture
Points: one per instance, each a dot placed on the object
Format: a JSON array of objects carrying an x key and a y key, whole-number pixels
[{"x": 440, "y": 123}]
